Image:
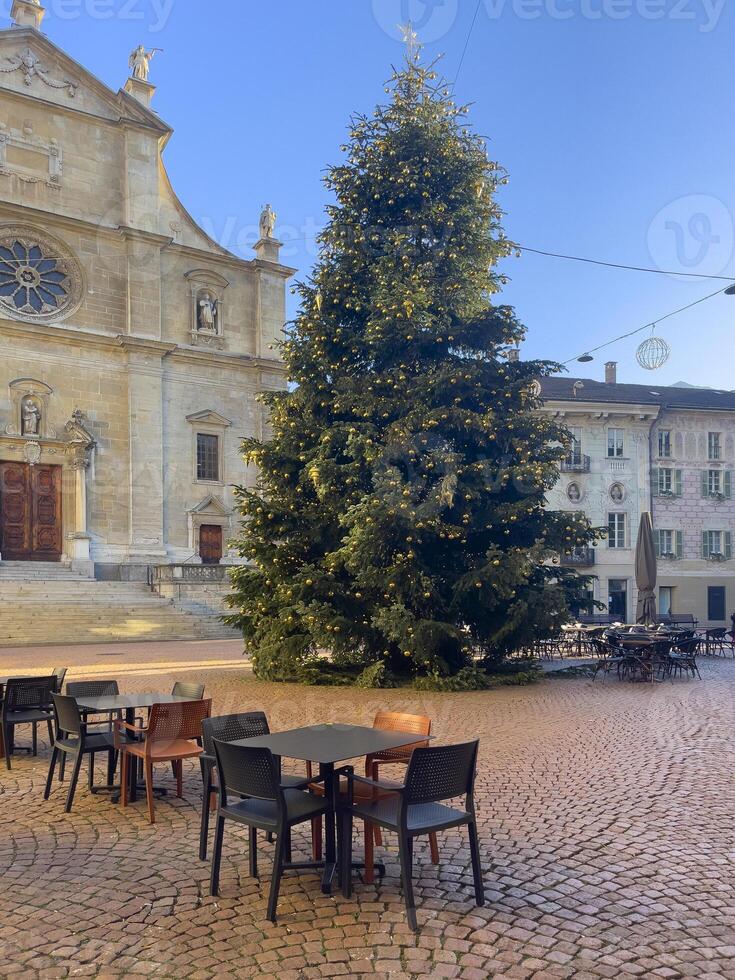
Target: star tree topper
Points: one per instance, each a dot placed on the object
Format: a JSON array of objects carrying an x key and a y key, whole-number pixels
[{"x": 410, "y": 39}]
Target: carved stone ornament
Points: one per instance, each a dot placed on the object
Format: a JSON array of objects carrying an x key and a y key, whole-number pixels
[
  {"x": 32, "y": 453},
  {"x": 37, "y": 160},
  {"x": 81, "y": 442},
  {"x": 31, "y": 66},
  {"x": 40, "y": 279}
]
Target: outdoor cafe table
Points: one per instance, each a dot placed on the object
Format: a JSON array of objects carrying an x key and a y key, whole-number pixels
[
  {"x": 128, "y": 703},
  {"x": 328, "y": 745}
]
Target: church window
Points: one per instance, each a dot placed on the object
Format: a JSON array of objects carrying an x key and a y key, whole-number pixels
[
  {"x": 207, "y": 456},
  {"x": 39, "y": 279}
]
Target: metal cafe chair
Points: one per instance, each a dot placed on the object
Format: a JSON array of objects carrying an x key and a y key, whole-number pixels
[
  {"x": 73, "y": 739},
  {"x": 417, "y": 808},
  {"x": 253, "y": 774}
]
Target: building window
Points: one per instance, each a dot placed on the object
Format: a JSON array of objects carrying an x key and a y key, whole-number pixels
[
  {"x": 666, "y": 600},
  {"x": 669, "y": 543},
  {"x": 617, "y": 602},
  {"x": 207, "y": 457},
  {"x": 717, "y": 545},
  {"x": 664, "y": 444},
  {"x": 714, "y": 445},
  {"x": 716, "y": 483},
  {"x": 667, "y": 482},
  {"x": 615, "y": 443},
  {"x": 616, "y": 530},
  {"x": 716, "y": 604}
]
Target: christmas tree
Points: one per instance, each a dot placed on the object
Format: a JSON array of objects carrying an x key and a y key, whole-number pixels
[{"x": 399, "y": 517}]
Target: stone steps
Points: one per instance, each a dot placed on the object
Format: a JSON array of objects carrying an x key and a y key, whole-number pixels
[{"x": 67, "y": 608}]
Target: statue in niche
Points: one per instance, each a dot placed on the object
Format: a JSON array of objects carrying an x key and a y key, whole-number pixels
[
  {"x": 140, "y": 62},
  {"x": 207, "y": 313},
  {"x": 30, "y": 417},
  {"x": 267, "y": 222}
]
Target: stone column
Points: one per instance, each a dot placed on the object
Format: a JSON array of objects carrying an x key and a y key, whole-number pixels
[
  {"x": 81, "y": 558},
  {"x": 145, "y": 393}
]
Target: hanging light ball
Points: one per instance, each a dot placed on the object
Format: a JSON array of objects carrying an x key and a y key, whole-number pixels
[{"x": 653, "y": 353}]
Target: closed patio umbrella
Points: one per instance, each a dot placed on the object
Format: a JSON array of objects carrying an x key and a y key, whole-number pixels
[{"x": 645, "y": 572}]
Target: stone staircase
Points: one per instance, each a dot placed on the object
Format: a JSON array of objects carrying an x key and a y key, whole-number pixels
[{"x": 49, "y": 603}]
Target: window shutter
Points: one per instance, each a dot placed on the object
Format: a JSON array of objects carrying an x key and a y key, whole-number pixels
[
  {"x": 728, "y": 544},
  {"x": 678, "y": 483},
  {"x": 679, "y": 544},
  {"x": 657, "y": 542},
  {"x": 705, "y": 483},
  {"x": 705, "y": 544},
  {"x": 656, "y": 481},
  {"x": 727, "y": 483}
]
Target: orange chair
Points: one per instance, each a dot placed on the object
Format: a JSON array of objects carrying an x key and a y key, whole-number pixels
[
  {"x": 170, "y": 736},
  {"x": 392, "y": 721}
]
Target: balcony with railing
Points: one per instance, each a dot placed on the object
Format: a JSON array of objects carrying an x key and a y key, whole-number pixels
[
  {"x": 579, "y": 558},
  {"x": 576, "y": 463}
]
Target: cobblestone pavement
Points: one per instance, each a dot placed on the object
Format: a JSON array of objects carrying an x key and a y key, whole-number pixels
[{"x": 607, "y": 817}]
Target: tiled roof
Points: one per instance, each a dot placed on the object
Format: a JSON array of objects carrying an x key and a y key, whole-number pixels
[{"x": 562, "y": 389}]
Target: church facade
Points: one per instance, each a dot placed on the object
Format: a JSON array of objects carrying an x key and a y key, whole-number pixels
[{"x": 133, "y": 345}]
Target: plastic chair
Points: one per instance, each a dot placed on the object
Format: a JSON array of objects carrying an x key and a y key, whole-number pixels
[
  {"x": 26, "y": 701},
  {"x": 253, "y": 773},
  {"x": 93, "y": 689},
  {"x": 194, "y": 692},
  {"x": 170, "y": 736},
  {"x": 417, "y": 808},
  {"x": 72, "y": 738},
  {"x": 232, "y": 728},
  {"x": 390, "y": 721}
]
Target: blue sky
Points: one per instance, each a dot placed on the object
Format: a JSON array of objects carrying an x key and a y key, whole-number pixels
[{"x": 613, "y": 118}]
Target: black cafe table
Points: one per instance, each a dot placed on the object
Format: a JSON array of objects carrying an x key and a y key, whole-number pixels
[
  {"x": 127, "y": 703},
  {"x": 328, "y": 745}
]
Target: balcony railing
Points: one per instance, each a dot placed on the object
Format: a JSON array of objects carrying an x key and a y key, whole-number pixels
[
  {"x": 575, "y": 463},
  {"x": 579, "y": 558}
]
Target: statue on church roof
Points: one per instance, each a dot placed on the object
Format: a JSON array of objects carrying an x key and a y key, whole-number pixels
[
  {"x": 267, "y": 222},
  {"x": 140, "y": 62}
]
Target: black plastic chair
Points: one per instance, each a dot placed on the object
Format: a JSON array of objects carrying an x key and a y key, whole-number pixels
[
  {"x": 230, "y": 728},
  {"x": 73, "y": 739},
  {"x": 94, "y": 689},
  {"x": 416, "y": 809},
  {"x": 194, "y": 692},
  {"x": 26, "y": 701},
  {"x": 253, "y": 774}
]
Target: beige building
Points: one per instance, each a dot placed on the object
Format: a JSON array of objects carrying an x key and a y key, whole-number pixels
[
  {"x": 669, "y": 450},
  {"x": 133, "y": 345}
]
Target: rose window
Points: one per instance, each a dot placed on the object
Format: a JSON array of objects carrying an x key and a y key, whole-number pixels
[
  {"x": 30, "y": 281},
  {"x": 40, "y": 279}
]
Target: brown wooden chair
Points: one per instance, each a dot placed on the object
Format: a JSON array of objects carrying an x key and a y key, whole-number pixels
[
  {"x": 170, "y": 736},
  {"x": 391, "y": 721}
]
